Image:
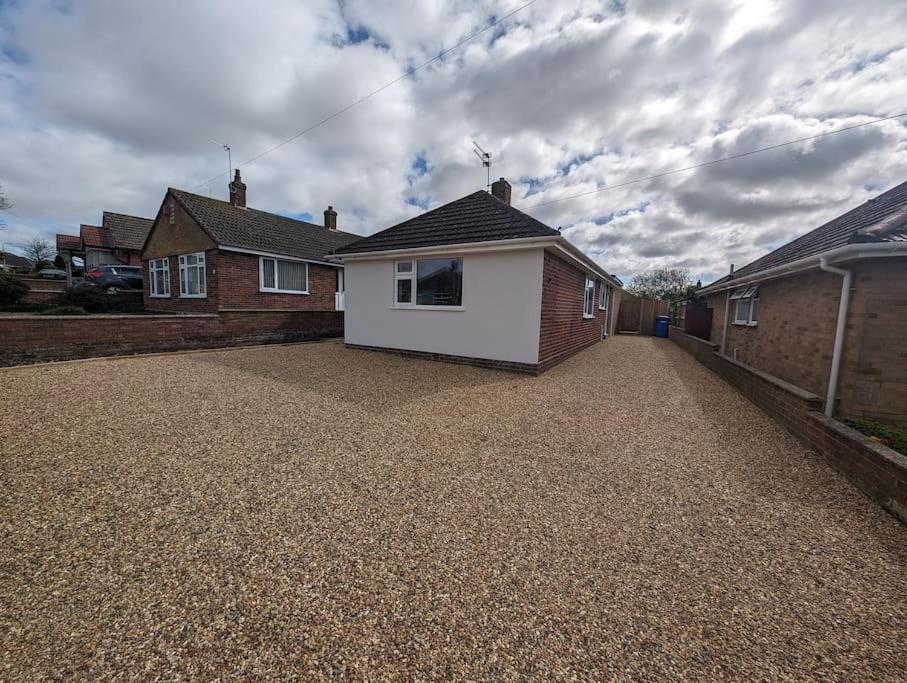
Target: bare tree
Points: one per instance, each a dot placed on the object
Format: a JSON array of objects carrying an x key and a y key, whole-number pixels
[
  {"x": 5, "y": 204},
  {"x": 37, "y": 249}
]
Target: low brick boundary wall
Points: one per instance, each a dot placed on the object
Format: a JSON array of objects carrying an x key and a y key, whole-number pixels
[
  {"x": 37, "y": 339},
  {"x": 878, "y": 471},
  {"x": 523, "y": 368}
]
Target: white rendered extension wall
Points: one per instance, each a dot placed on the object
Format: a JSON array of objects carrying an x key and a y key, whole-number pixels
[{"x": 499, "y": 320}]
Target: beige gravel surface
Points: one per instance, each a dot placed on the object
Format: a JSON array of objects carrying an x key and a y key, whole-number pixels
[{"x": 319, "y": 512}]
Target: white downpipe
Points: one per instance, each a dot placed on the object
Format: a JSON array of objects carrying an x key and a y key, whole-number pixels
[
  {"x": 839, "y": 332},
  {"x": 727, "y": 312}
]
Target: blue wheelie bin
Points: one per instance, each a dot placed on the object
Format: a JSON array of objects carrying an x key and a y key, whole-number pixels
[{"x": 661, "y": 325}]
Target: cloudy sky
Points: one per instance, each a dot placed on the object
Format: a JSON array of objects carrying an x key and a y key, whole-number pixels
[{"x": 103, "y": 105}]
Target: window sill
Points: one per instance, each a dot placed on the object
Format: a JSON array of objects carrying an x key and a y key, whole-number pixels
[
  {"x": 281, "y": 291},
  {"x": 588, "y": 317},
  {"x": 158, "y": 296},
  {"x": 405, "y": 307},
  {"x": 193, "y": 296},
  {"x": 744, "y": 324}
]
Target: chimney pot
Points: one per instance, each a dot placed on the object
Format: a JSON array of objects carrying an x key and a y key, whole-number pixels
[
  {"x": 238, "y": 191},
  {"x": 330, "y": 218},
  {"x": 501, "y": 190}
]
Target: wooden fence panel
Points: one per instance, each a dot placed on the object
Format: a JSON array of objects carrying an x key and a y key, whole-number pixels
[
  {"x": 638, "y": 315},
  {"x": 698, "y": 322}
]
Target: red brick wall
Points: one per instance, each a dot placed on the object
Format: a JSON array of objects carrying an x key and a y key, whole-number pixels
[
  {"x": 238, "y": 284},
  {"x": 795, "y": 336},
  {"x": 564, "y": 331},
  {"x": 175, "y": 304},
  {"x": 232, "y": 283},
  {"x": 45, "y": 338}
]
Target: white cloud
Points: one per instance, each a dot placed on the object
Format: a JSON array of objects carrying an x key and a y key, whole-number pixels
[{"x": 103, "y": 105}]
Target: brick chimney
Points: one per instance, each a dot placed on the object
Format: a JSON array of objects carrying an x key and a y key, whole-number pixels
[
  {"x": 238, "y": 191},
  {"x": 330, "y": 218},
  {"x": 501, "y": 190}
]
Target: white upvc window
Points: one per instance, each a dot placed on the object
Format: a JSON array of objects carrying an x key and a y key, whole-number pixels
[
  {"x": 589, "y": 299},
  {"x": 159, "y": 277},
  {"x": 604, "y": 296},
  {"x": 432, "y": 283},
  {"x": 192, "y": 276},
  {"x": 283, "y": 276},
  {"x": 746, "y": 305}
]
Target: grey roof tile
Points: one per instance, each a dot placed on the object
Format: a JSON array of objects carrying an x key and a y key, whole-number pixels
[
  {"x": 128, "y": 232},
  {"x": 478, "y": 217},
  {"x": 255, "y": 230}
]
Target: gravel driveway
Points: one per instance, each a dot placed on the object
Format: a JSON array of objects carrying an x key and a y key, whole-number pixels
[{"x": 315, "y": 511}]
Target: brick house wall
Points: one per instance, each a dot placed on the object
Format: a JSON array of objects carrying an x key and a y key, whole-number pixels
[
  {"x": 563, "y": 330},
  {"x": 238, "y": 285},
  {"x": 174, "y": 303},
  {"x": 231, "y": 278},
  {"x": 795, "y": 336}
]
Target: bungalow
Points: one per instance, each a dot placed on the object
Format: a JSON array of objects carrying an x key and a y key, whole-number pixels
[
  {"x": 478, "y": 282},
  {"x": 118, "y": 240},
  {"x": 827, "y": 312},
  {"x": 205, "y": 255}
]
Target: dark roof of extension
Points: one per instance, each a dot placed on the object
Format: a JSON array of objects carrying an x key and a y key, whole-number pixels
[
  {"x": 128, "y": 232},
  {"x": 478, "y": 217},
  {"x": 232, "y": 226},
  {"x": 881, "y": 219}
]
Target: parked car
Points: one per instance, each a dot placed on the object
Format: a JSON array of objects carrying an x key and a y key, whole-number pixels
[
  {"x": 52, "y": 274},
  {"x": 115, "y": 277}
]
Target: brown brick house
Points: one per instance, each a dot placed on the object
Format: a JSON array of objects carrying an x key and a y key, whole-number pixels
[
  {"x": 118, "y": 240},
  {"x": 476, "y": 281},
  {"x": 827, "y": 312},
  {"x": 205, "y": 255}
]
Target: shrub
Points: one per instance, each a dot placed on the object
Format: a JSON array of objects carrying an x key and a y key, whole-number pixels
[
  {"x": 59, "y": 262},
  {"x": 887, "y": 436},
  {"x": 64, "y": 310},
  {"x": 12, "y": 290},
  {"x": 91, "y": 299}
]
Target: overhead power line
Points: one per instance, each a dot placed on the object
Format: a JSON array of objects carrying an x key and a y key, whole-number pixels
[
  {"x": 719, "y": 160},
  {"x": 364, "y": 98}
]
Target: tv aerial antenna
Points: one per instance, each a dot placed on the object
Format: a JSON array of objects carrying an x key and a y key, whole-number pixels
[
  {"x": 229, "y": 159},
  {"x": 485, "y": 158}
]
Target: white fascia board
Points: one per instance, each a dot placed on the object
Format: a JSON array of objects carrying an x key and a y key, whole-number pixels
[
  {"x": 282, "y": 257},
  {"x": 460, "y": 248},
  {"x": 586, "y": 264},
  {"x": 849, "y": 252}
]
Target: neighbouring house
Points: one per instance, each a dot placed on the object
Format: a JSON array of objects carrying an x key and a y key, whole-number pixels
[
  {"x": 118, "y": 240},
  {"x": 10, "y": 261},
  {"x": 827, "y": 312},
  {"x": 476, "y": 281},
  {"x": 206, "y": 255}
]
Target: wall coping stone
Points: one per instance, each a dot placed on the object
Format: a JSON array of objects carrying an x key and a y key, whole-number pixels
[
  {"x": 771, "y": 379},
  {"x": 105, "y": 316},
  {"x": 879, "y": 450},
  {"x": 706, "y": 342}
]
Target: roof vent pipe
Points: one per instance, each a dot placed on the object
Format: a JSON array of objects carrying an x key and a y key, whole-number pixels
[{"x": 732, "y": 269}]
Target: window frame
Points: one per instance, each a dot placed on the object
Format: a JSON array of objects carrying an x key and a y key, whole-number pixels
[
  {"x": 184, "y": 266},
  {"x": 605, "y": 289},
  {"x": 589, "y": 301},
  {"x": 412, "y": 276},
  {"x": 747, "y": 296},
  {"x": 159, "y": 265},
  {"x": 276, "y": 289}
]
